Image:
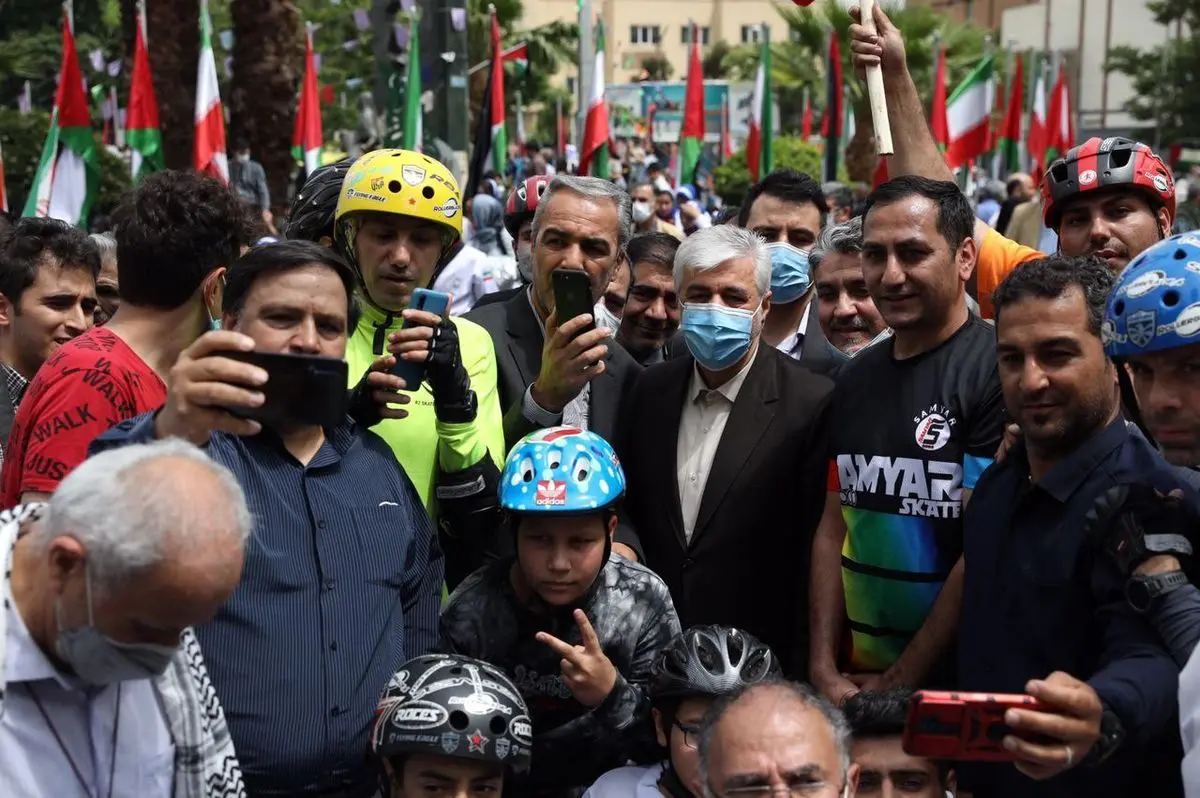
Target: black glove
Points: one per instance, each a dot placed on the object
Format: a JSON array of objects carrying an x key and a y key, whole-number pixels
[
  {"x": 1132, "y": 523},
  {"x": 453, "y": 399},
  {"x": 361, "y": 405}
]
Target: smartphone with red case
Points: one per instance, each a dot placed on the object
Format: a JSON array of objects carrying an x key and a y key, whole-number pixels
[{"x": 963, "y": 726}]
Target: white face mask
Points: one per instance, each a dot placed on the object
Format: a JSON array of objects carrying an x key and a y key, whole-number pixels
[
  {"x": 605, "y": 318},
  {"x": 641, "y": 211}
]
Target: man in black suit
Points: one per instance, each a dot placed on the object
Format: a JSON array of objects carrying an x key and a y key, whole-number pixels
[
  {"x": 788, "y": 209},
  {"x": 725, "y": 453}
]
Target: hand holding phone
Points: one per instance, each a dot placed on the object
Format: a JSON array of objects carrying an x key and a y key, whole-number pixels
[
  {"x": 204, "y": 381},
  {"x": 415, "y": 339},
  {"x": 305, "y": 390},
  {"x": 572, "y": 296},
  {"x": 962, "y": 726}
]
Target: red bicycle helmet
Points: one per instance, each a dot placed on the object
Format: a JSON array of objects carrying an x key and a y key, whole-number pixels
[
  {"x": 522, "y": 202},
  {"x": 1103, "y": 163}
]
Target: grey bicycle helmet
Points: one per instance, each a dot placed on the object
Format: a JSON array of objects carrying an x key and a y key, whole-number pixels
[
  {"x": 312, "y": 211},
  {"x": 710, "y": 661},
  {"x": 456, "y": 706}
]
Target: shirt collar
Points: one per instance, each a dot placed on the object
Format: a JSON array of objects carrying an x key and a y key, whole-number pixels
[
  {"x": 15, "y": 383},
  {"x": 536, "y": 315},
  {"x": 796, "y": 339},
  {"x": 1070, "y": 473},
  {"x": 729, "y": 390}
]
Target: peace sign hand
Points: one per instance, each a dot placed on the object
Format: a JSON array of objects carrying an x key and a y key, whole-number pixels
[{"x": 588, "y": 674}]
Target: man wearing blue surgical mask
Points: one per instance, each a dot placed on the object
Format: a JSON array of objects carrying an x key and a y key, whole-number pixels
[
  {"x": 724, "y": 450},
  {"x": 787, "y": 209}
]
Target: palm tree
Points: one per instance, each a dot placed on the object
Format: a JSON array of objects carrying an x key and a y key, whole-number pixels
[
  {"x": 656, "y": 68},
  {"x": 268, "y": 51},
  {"x": 713, "y": 63},
  {"x": 173, "y": 34},
  {"x": 798, "y": 62}
]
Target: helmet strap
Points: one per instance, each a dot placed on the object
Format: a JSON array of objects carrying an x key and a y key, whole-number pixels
[
  {"x": 1129, "y": 400},
  {"x": 670, "y": 783}
]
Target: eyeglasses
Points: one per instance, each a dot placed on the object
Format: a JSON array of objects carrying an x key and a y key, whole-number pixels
[
  {"x": 691, "y": 733},
  {"x": 794, "y": 791}
]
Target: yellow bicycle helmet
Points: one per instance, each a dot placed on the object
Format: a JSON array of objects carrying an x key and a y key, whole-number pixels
[{"x": 402, "y": 182}]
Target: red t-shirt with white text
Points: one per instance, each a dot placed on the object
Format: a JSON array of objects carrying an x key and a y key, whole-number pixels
[{"x": 88, "y": 385}]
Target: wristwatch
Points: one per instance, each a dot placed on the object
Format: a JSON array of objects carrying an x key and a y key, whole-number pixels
[
  {"x": 1112, "y": 734},
  {"x": 463, "y": 413},
  {"x": 1141, "y": 591}
]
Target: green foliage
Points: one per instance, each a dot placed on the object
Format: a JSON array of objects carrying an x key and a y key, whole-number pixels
[
  {"x": 1164, "y": 77},
  {"x": 713, "y": 62},
  {"x": 546, "y": 129},
  {"x": 656, "y": 68},
  {"x": 22, "y": 137},
  {"x": 731, "y": 180}
]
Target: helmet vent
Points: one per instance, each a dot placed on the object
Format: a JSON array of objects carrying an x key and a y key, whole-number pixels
[
  {"x": 498, "y": 725},
  {"x": 459, "y": 720},
  {"x": 1170, "y": 299},
  {"x": 427, "y": 192},
  {"x": 1180, "y": 254},
  {"x": 395, "y": 187}
]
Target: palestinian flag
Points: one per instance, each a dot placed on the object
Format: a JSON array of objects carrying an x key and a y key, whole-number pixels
[
  {"x": 491, "y": 139},
  {"x": 208, "y": 153},
  {"x": 969, "y": 114},
  {"x": 593, "y": 159},
  {"x": 141, "y": 127},
  {"x": 831, "y": 123},
  {"x": 938, "y": 123},
  {"x": 691, "y": 138},
  {"x": 3, "y": 192},
  {"x": 67, "y": 176},
  {"x": 517, "y": 55},
  {"x": 1010, "y": 130},
  {"x": 807, "y": 120},
  {"x": 760, "y": 150},
  {"x": 306, "y": 135}
]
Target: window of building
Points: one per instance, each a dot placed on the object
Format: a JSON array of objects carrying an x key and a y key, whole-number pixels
[
  {"x": 644, "y": 34},
  {"x": 751, "y": 34},
  {"x": 685, "y": 35},
  {"x": 571, "y": 85}
]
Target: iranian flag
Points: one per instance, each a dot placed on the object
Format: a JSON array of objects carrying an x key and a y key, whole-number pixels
[
  {"x": 67, "y": 177},
  {"x": 806, "y": 120},
  {"x": 141, "y": 127},
  {"x": 1010, "y": 130},
  {"x": 208, "y": 154},
  {"x": 691, "y": 138},
  {"x": 306, "y": 135},
  {"x": 760, "y": 155},
  {"x": 939, "y": 125},
  {"x": 593, "y": 159},
  {"x": 1036, "y": 140},
  {"x": 968, "y": 114},
  {"x": 1059, "y": 135}
]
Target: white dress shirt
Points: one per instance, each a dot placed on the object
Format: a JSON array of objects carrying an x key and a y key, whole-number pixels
[
  {"x": 705, "y": 413},
  {"x": 32, "y": 762},
  {"x": 793, "y": 345}
]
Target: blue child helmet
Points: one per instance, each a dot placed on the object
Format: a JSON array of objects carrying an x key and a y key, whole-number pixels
[
  {"x": 1155, "y": 304},
  {"x": 561, "y": 470}
]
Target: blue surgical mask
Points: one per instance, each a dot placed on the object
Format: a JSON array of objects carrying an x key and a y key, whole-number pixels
[
  {"x": 790, "y": 274},
  {"x": 717, "y": 336},
  {"x": 100, "y": 661}
]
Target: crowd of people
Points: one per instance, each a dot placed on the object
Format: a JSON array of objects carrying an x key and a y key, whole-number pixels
[{"x": 804, "y": 457}]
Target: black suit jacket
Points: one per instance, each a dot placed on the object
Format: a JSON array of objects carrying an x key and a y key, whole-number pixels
[
  {"x": 747, "y": 564},
  {"x": 820, "y": 356},
  {"x": 518, "y": 341}
]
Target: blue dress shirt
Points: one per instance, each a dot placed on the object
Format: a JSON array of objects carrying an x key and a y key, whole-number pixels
[{"x": 341, "y": 584}]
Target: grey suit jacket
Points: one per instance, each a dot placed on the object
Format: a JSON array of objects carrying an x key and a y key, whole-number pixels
[{"x": 518, "y": 341}]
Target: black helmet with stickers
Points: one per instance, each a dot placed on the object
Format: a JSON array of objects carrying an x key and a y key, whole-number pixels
[
  {"x": 710, "y": 661},
  {"x": 456, "y": 706},
  {"x": 312, "y": 211}
]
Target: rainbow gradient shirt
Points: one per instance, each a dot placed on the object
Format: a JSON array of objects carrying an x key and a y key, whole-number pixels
[{"x": 908, "y": 436}]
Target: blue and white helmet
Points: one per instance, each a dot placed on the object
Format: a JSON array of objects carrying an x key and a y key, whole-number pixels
[
  {"x": 561, "y": 470},
  {"x": 1155, "y": 304}
]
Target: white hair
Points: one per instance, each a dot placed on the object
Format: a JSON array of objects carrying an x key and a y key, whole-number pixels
[
  {"x": 125, "y": 508},
  {"x": 106, "y": 244},
  {"x": 801, "y": 693},
  {"x": 593, "y": 188},
  {"x": 709, "y": 248},
  {"x": 845, "y": 239}
]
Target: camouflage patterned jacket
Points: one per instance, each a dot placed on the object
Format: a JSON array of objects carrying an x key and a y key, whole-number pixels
[{"x": 631, "y": 611}]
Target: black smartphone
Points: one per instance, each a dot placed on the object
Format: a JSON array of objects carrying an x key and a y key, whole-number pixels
[
  {"x": 300, "y": 389},
  {"x": 434, "y": 302},
  {"x": 573, "y": 296}
]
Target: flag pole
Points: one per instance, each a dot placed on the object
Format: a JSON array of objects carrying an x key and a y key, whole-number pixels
[
  {"x": 69, "y": 7},
  {"x": 875, "y": 92},
  {"x": 141, "y": 12}
]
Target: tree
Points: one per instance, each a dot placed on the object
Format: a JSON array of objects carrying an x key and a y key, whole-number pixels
[
  {"x": 798, "y": 62},
  {"x": 731, "y": 180},
  {"x": 713, "y": 62},
  {"x": 268, "y": 64},
  {"x": 656, "y": 68},
  {"x": 1164, "y": 77}
]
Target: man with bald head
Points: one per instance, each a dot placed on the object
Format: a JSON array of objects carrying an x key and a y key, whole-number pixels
[
  {"x": 776, "y": 737},
  {"x": 103, "y": 688}
]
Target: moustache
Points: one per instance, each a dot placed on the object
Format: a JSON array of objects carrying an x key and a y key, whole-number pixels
[{"x": 854, "y": 324}]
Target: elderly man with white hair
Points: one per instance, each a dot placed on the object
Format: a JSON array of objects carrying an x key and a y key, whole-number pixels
[
  {"x": 772, "y": 738},
  {"x": 725, "y": 453},
  {"x": 104, "y": 690}
]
